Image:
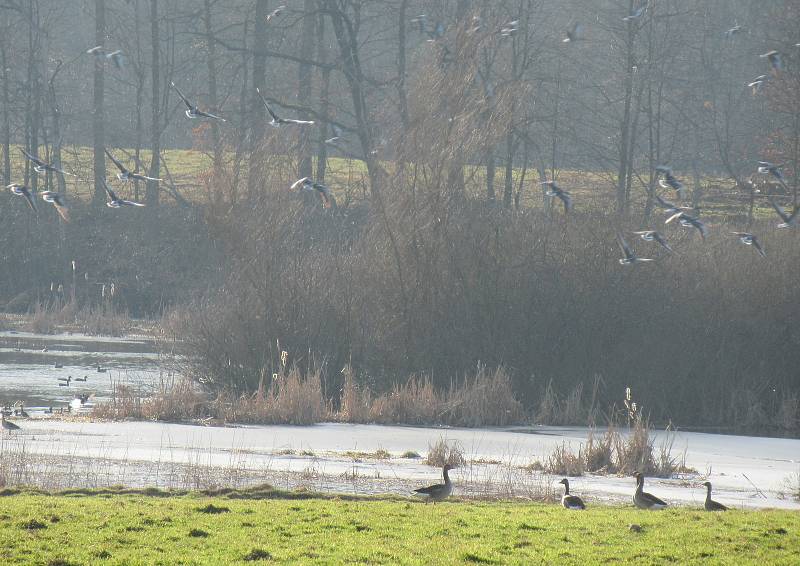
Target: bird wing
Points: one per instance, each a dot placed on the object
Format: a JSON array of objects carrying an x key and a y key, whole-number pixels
[
  {"x": 110, "y": 193},
  {"x": 185, "y": 100},
  {"x": 264, "y": 100},
  {"x": 652, "y": 499},
  {"x": 626, "y": 249},
  {"x": 574, "y": 501},
  {"x": 36, "y": 160},
  {"x": 782, "y": 213},
  {"x": 209, "y": 115},
  {"x": 298, "y": 122},
  {"x": 757, "y": 246},
  {"x": 119, "y": 165},
  {"x": 430, "y": 489}
]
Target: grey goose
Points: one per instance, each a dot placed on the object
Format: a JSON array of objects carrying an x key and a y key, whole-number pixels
[
  {"x": 644, "y": 500},
  {"x": 439, "y": 491},
  {"x": 115, "y": 202},
  {"x": 57, "y": 200},
  {"x": 192, "y": 111},
  {"x": 42, "y": 166},
  {"x": 23, "y": 191},
  {"x": 277, "y": 121},
  {"x": 653, "y": 236},
  {"x": 572, "y": 502},
  {"x": 555, "y": 191},
  {"x": 750, "y": 240},
  {"x": 630, "y": 257},
  {"x": 125, "y": 175},
  {"x": 789, "y": 221},
  {"x": 710, "y": 504}
]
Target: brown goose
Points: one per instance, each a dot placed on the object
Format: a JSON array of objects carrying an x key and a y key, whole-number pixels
[
  {"x": 644, "y": 500},
  {"x": 440, "y": 491},
  {"x": 710, "y": 504},
  {"x": 571, "y": 501}
]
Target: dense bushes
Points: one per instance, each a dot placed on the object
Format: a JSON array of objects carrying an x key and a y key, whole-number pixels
[{"x": 435, "y": 284}]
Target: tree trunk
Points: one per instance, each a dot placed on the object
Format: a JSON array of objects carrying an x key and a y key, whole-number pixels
[
  {"x": 6, "y": 118},
  {"x": 257, "y": 119},
  {"x": 508, "y": 184},
  {"x": 151, "y": 192},
  {"x": 304, "y": 86},
  {"x": 324, "y": 101},
  {"x": 211, "y": 62},
  {"x": 98, "y": 113}
]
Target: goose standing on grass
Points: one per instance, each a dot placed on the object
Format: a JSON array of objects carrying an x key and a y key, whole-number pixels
[
  {"x": 192, "y": 110},
  {"x": 277, "y": 121},
  {"x": 644, "y": 500},
  {"x": 440, "y": 491},
  {"x": 8, "y": 425},
  {"x": 710, "y": 504},
  {"x": 750, "y": 240},
  {"x": 571, "y": 501},
  {"x": 23, "y": 191}
]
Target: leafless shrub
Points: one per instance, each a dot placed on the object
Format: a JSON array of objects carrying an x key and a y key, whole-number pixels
[
  {"x": 174, "y": 399},
  {"x": 598, "y": 453},
  {"x": 443, "y": 452},
  {"x": 563, "y": 461}
]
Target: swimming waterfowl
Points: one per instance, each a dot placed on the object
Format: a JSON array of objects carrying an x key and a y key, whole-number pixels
[
  {"x": 788, "y": 221},
  {"x": 125, "y": 175},
  {"x": 23, "y": 191},
  {"x": 8, "y": 425},
  {"x": 58, "y": 365},
  {"x": 192, "y": 110},
  {"x": 440, "y": 491},
  {"x": 653, "y": 236},
  {"x": 571, "y": 501},
  {"x": 277, "y": 121},
  {"x": 115, "y": 202},
  {"x": 41, "y": 166},
  {"x": 710, "y": 504},
  {"x": 21, "y": 412},
  {"x": 630, "y": 257},
  {"x": 84, "y": 378},
  {"x": 556, "y": 191},
  {"x": 750, "y": 240},
  {"x": 644, "y": 500},
  {"x": 100, "y": 369}
]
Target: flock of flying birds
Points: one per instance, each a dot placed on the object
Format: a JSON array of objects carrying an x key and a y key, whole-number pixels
[{"x": 666, "y": 177}]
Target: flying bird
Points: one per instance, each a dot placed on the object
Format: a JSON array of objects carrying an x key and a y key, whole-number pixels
[
  {"x": 115, "y": 202},
  {"x": 422, "y": 22},
  {"x": 669, "y": 207},
  {"x": 789, "y": 221},
  {"x": 510, "y": 28},
  {"x": 758, "y": 83},
  {"x": 277, "y": 121},
  {"x": 437, "y": 32},
  {"x": 116, "y": 57},
  {"x": 689, "y": 221},
  {"x": 775, "y": 60},
  {"x": 636, "y": 14},
  {"x": 337, "y": 135},
  {"x": 574, "y": 34},
  {"x": 276, "y": 12},
  {"x": 57, "y": 200},
  {"x": 306, "y": 184},
  {"x": 630, "y": 257},
  {"x": 125, "y": 175},
  {"x": 23, "y": 191},
  {"x": 192, "y": 110},
  {"x": 653, "y": 236},
  {"x": 40, "y": 166},
  {"x": 767, "y": 168},
  {"x": 750, "y": 240},
  {"x": 670, "y": 181},
  {"x": 556, "y": 191},
  {"x": 733, "y": 31}
]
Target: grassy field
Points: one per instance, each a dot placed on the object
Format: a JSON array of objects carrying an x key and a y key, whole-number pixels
[
  {"x": 266, "y": 526},
  {"x": 347, "y": 178}
]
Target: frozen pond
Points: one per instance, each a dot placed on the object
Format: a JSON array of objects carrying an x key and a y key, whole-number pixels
[
  {"x": 745, "y": 471},
  {"x": 33, "y": 365}
]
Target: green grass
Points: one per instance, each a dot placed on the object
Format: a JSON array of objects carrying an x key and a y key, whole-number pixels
[{"x": 251, "y": 527}]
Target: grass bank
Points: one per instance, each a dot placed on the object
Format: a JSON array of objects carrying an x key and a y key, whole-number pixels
[{"x": 269, "y": 526}]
